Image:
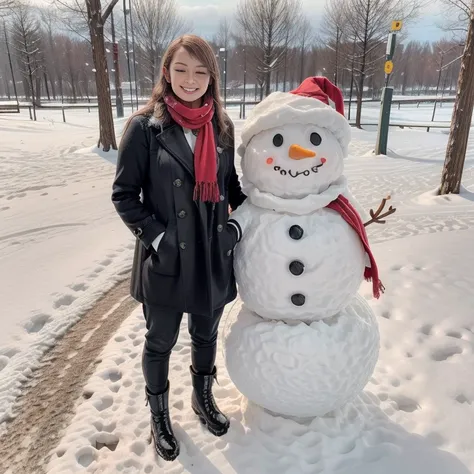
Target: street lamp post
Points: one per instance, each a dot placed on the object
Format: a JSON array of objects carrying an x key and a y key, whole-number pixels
[
  {"x": 11, "y": 65},
  {"x": 245, "y": 81},
  {"x": 224, "y": 50},
  {"x": 128, "y": 51},
  {"x": 118, "y": 85},
  {"x": 133, "y": 52}
]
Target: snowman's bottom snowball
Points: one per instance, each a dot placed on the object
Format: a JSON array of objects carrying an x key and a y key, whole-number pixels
[{"x": 302, "y": 370}]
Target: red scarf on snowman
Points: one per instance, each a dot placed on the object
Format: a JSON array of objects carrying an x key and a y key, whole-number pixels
[
  {"x": 320, "y": 88},
  {"x": 351, "y": 216}
]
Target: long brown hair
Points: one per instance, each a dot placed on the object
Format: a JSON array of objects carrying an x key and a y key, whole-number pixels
[{"x": 202, "y": 51}]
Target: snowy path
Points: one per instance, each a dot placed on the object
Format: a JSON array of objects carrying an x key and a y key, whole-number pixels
[
  {"x": 61, "y": 244},
  {"x": 61, "y": 377}
]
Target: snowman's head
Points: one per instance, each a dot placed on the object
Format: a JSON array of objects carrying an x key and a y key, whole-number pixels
[
  {"x": 294, "y": 143},
  {"x": 293, "y": 160}
]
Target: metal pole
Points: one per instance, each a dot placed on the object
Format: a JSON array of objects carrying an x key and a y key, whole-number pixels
[
  {"x": 128, "y": 51},
  {"x": 437, "y": 89},
  {"x": 11, "y": 65},
  {"x": 384, "y": 122},
  {"x": 245, "y": 81},
  {"x": 225, "y": 78},
  {"x": 352, "y": 79},
  {"x": 133, "y": 52},
  {"x": 118, "y": 85}
]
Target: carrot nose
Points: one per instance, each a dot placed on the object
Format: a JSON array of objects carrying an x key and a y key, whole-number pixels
[{"x": 297, "y": 152}]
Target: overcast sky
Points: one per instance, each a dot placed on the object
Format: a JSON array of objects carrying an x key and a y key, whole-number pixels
[{"x": 206, "y": 14}]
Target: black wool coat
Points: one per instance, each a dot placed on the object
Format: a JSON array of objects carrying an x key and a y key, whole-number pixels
[{"x": 192, "y": 270}]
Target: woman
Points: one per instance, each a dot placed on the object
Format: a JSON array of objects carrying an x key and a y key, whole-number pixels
[{"x": 178, "y": 154}]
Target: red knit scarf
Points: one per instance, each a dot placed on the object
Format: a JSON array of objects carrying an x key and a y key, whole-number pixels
[
  {"x": 205, "y": 159},
  {"x": 350, "y": 215}
]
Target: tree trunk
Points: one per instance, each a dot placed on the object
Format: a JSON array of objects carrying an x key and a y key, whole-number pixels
[
  {"x": 404, "y": 83},
  {"x": 461, "y": 121},
  {"x": 32, "y": 87},
  {"x": 106, "y": 121},
  {"x": 38, "y": 89},
  {"x": 302, "y": 62},
  {"x": 337, "y": 58},
  {"x": 7, "y": 86},
  {"x": 46, "y": 86},
  {"x": 360, "y": 94}
]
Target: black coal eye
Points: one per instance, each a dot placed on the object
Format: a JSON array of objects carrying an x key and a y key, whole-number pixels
[
  {"x": 316, "y": 139},
  {"x": 278, "y": 140}
]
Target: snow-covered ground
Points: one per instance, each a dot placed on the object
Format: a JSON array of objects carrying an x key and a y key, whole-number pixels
[{"x": 62, "y": 245}]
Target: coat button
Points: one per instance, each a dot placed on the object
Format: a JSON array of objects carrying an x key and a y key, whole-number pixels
[
  {"x": 296, "y": 267},
  {"x": 220, "y": 228},
  {"x": 298, "y": 299},
  {"x": 229, "y": 253},
  {"x": 221, "y": 197},
  {"x": 177, "y": 183},
  {"x": 182, "y": 214},
  {"x": 182, "y": 245},
  {"x": 296, "y": 232},
  {"x": 138, "y": 231}
]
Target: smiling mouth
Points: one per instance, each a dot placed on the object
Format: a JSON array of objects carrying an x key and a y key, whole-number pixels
[
  {"x": 189, "y": 91},
  {"x": 295, "y": 174}
]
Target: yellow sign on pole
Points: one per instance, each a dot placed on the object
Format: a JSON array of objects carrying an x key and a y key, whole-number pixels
[
  {"x": 388, "y": 67},
  {"x": 396, "y": 25}
]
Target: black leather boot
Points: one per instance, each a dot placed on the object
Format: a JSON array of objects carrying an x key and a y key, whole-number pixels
[
  {"x": 166, "y": 445},
  {"x": 204, "y": 405}
]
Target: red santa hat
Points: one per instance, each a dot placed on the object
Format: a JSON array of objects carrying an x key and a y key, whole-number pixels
[{"x": 316, "y": 101}]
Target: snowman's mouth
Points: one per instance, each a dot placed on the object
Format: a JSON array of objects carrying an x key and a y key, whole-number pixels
[{"x": 295, "y": 174}]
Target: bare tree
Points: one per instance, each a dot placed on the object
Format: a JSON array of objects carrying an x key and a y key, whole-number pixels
[
  {"x": 334, "y": 28},
  {"x": 224, "y": 34},
  {"x": 73, "y": 15},
  {"x": 305, "y": 37},
  {"x": 96, "y": 19},
  {"x": 27, "y": 44},
  {"x": 457, "y": 13},
  {"x": 5, "y": 6},
  {"x": 368, "y": 22},
  {"x": 462, "y": 117},
  {"x": 268, "y": 25},
  {"x": 156, "y": 24}
]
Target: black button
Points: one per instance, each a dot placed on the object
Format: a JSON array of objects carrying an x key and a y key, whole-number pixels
[
  {"x": 296, "y": 232},
  {"x": 138, "y": 231},
  {"x": 229, "y": 253},
  {"x": 177, "y": 182},
  {"x": 182, "y": 245},
  {"x": 296, "y": 267},
  {"x": 182, "y": 214},
  {"x": 298, "y": 299},
  {"x": 220, "y": 228}
]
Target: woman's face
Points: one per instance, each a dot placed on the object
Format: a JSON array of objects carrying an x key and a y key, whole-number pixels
[{"x": 189, "y": 78}]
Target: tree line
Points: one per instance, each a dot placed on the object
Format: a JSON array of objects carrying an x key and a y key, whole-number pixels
[{"x": 66, "y": 51}]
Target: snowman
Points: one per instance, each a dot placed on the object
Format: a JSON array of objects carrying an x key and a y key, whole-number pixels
[{"x": 304, "y": 342}]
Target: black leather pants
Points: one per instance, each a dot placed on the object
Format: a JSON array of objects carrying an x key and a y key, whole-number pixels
[{"x": 162, "y": 333}]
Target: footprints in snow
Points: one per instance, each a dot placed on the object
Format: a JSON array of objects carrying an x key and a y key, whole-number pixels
[
  {"x": 64, "y": 300},
  {"x": 445, "y": 353},
  {"x": 36, "y": 323}
]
